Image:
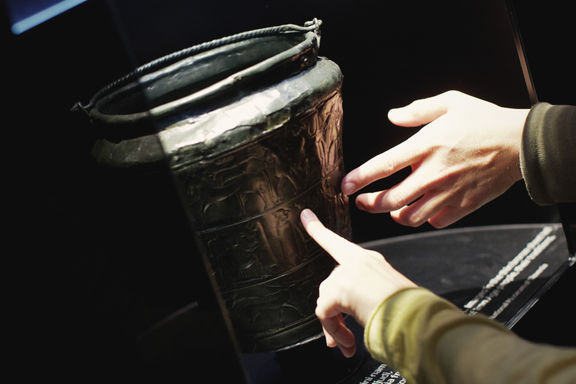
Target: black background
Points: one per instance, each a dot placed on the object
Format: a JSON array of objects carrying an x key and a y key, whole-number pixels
[{"x": 82, "y": 255}]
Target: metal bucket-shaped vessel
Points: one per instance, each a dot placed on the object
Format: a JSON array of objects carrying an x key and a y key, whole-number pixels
[{"x": 251, "y": 128}]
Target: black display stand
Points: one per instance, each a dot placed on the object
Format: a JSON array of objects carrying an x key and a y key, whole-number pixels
[{"x": 499, "y": 271}]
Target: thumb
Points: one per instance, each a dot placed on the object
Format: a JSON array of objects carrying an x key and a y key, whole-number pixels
[{"x": 422, "y": 111}]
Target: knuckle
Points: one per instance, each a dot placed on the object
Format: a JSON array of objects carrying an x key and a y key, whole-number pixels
[
  {"x": 469, "y": 203},
  {"x": 453, "y": 93},
  {"x": 393, "y": 199},
  {"x": 409, "y": 217},
  {"x": 323, "y": 288},
  {"x": 319, "y": 312},
  {"x": 382, "y": 164},
  {"x": 408, "y": 220},
  {"x": 417, "y": 109},
  {"x": 413, "y": 221},
  {"x": 447, "y": 175},
  {"x": 445, "y": 218},
  {"x": 372, "y": 253},
  {"x": 436, "y": 223}
]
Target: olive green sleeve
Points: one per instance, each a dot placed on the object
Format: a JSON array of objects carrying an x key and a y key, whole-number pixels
[
  {"x": 548, "y": 153},
  {"x": 429, "y": 340}
]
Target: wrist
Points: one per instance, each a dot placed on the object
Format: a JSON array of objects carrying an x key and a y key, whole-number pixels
[{"x": 515, "y": 119}]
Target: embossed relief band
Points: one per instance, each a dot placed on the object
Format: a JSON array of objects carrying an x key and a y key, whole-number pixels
[{"x": 247, "y": 204}]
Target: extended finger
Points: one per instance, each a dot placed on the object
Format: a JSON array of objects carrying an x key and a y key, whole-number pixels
[
  {"x": 383, "y": 165},
  {"x": 402, "y": 194},
  {"x": 423, "y": 111},
  {"x": 420, "y": 211},
  {"x": 448, "y": 215},
  {"x": 337, "y": 246}
]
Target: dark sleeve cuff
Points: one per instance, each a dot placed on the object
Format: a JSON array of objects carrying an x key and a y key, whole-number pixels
[{"x": 548, "y": 153}]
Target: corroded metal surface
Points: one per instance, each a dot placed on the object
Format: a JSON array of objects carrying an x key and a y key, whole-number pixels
[
  {"x": 246, "y": 206},
  {"x": 252, "y": 136}
]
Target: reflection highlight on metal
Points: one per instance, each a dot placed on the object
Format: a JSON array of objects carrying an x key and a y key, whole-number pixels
[{"x": 246, "y": 206}]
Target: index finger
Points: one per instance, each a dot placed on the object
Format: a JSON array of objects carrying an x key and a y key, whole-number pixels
[
  {"x": 337, "y": 246},
  {"x": 382, "y": 165}
]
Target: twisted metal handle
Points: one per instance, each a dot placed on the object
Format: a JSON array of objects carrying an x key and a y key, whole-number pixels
[{"x": 309, "y": 26}]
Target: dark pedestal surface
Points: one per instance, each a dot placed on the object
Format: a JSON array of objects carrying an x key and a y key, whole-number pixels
[{"x": 499, "y": 271}]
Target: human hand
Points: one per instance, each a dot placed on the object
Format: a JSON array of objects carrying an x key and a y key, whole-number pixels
[
  {"x": 361, "y": 281},
  {"x": 466, "y": 156}
]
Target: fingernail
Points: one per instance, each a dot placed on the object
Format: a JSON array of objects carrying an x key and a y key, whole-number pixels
[
  {"x": 392, "y": 113},
  {"x": 306, "y": 214},
  {"x": 396, "y": 114},
  {"x": 348, "y": 187}
]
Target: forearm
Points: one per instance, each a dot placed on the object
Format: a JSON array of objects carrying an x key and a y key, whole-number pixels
[
  {"x": 548, "y": 154},
  {"x": 429, "y": 340}
]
